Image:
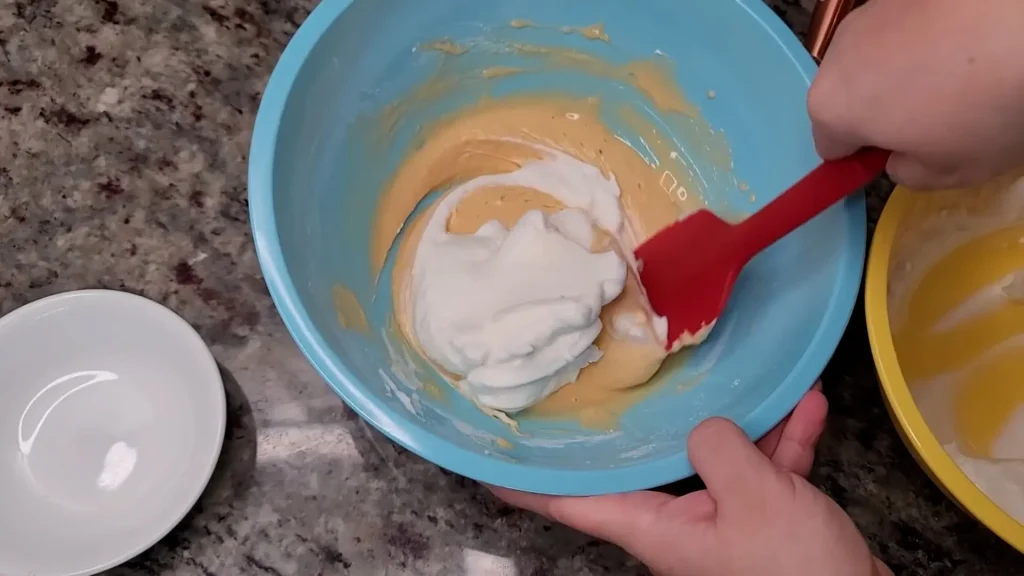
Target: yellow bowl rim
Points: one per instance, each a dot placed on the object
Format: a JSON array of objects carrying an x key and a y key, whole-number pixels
[{"x": 901, "y": 404}]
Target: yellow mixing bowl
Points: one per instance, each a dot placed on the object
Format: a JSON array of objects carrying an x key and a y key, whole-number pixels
[{"x": 900, "y": 215}]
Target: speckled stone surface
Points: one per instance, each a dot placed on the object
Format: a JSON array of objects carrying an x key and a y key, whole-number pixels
[{"x": 124, "y": 127}]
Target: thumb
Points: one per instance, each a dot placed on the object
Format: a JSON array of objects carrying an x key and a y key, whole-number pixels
[
  {"x": 628, "y": 520},
  {"x": 733, "y": 469},
  {"x": 911, "y": 172}
]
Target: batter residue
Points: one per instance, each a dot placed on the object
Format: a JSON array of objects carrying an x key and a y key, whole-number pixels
[
  {"x": 591, "y": 32},
  {"x": 350, "y": 314},
  {"x": 499, "y": 136}
]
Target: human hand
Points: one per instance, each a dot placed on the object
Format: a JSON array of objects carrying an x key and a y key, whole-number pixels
[
  {"x": 758, "y": 516},
  {"x": 938, "y": 82}
]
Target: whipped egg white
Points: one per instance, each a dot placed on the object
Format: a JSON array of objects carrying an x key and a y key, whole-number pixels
[{"x": 514, "y": 313}]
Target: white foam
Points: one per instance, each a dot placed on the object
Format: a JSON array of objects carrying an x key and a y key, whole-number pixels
[{"x": 515, "y": 312}]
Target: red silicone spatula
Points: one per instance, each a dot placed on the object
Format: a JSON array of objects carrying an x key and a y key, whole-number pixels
[{"x": 689, "y": 268}]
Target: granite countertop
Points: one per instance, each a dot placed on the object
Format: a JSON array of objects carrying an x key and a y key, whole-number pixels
[{"x": 124, "y": 128}]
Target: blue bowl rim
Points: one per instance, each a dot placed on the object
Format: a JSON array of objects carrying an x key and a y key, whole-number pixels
[{"x": 479, "y": 467}]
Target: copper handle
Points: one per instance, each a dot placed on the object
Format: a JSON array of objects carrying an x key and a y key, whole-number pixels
[{"x": 824, "y": 21}]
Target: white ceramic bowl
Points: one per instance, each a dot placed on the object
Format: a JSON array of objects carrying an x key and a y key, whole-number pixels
[{"x": 112, "y": 416}]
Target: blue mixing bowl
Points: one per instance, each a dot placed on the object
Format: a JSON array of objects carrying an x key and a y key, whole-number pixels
[{"x": 314, "y": 185}]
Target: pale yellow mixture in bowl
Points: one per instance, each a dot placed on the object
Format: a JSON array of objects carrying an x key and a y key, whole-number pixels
[
  {"x": 945, "y": 314},
  {"x": 501, "y": 135}
]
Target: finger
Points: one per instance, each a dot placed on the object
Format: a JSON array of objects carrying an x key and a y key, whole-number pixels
[
  {"x": 628, "y": 520},
  {"x": 916, "y": 175},
  {"x": 795, "y": 450},
  {"x": 732, "y": 468},
  {"x": 770, "y": 441},
  {"x": 693, "y": 509},
  {"x": 828, "y": 108},
  {"x": 832, "y": 144}
]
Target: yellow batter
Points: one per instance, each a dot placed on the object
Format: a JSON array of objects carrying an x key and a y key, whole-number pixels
[
  {"x": 350, "y": 314},
  {"x": 475, "y": 141},
  {"x": 963, "y": 322}
]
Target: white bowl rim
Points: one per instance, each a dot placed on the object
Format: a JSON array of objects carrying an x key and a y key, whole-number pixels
[{"x": 187, "y": 332}]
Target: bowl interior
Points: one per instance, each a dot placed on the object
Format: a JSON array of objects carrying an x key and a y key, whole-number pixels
[
  {"x": 315, "y": 180},
  {"x": 909, "y": 222},
  {"x": 108, "y": 399}
]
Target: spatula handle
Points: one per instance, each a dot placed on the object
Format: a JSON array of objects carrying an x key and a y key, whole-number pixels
[{"x": 827, "y": 184}]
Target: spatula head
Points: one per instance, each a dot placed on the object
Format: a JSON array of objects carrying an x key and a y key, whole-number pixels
[{"x": 688, "y": 270}]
